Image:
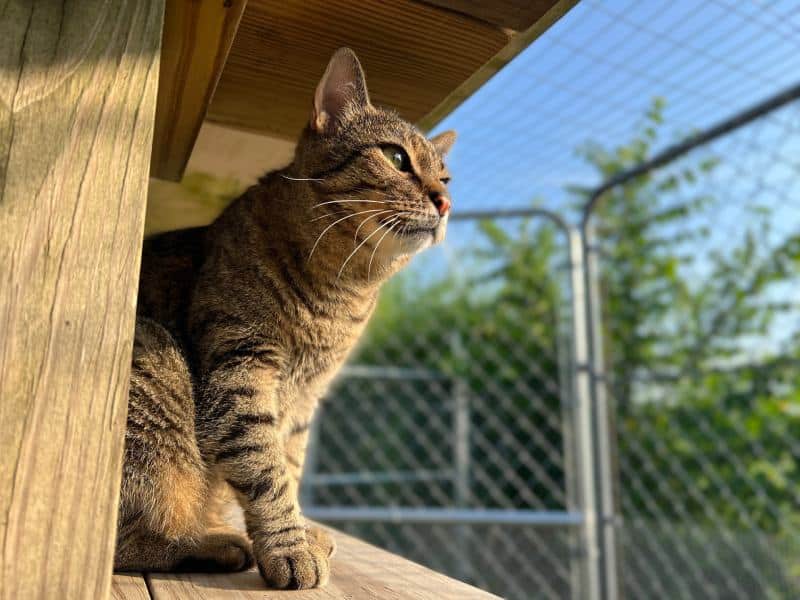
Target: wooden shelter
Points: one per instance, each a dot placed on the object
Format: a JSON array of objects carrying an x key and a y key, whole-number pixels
[{"x": 96, "y": 96}]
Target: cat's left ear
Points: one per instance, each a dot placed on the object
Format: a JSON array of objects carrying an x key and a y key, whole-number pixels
[
  {"x": 444, "y": 141},
  {"x": 342, "y": 87}
]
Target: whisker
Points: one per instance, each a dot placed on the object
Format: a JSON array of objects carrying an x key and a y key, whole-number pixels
[
  {"x": 346, "y": 201},
  {"x": 355, "y": 237},
  {"x": 331, "y": 214},
  {"x": 324, "y": 231},
  {"x": 301, "y": 178},
  {"x": 375, "y": 249},
  {"x": 409, "y": 213},
  {"x": 364, "y": 241}
]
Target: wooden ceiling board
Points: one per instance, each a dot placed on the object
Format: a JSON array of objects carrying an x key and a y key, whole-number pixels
[
  {"x": 421, "y": 57},
  {"x": 413, "y": 54},
  {"x": 511, "y": 14}
]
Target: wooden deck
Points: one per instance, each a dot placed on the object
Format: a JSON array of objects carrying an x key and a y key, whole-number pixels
[{"x": 360, "y": 572}]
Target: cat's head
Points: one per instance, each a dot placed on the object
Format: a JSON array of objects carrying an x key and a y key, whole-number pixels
[{"x": 376, "y": 176}]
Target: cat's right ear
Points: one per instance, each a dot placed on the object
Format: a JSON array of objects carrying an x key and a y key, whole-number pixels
[{"x": 341, "y": 88}]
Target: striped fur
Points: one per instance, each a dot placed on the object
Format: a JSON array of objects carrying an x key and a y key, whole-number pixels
[{"x": 243, "y": 324}]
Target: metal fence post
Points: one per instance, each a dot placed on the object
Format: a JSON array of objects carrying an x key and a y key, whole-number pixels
[
  {"x": 461, "y": 426},
  {"x": 461, "y": 456},
  {"x": 603, "y": 440},
  {"x": 596, "y": 369},
  {"x": 569, "y": 404},
  {"x": 462, "y": 451},
  {"x": 462, "y": 467},
  {"x": 591, "y": 587}
]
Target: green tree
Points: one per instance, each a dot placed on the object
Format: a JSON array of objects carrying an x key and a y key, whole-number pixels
[{"x": 708, "y": 414}]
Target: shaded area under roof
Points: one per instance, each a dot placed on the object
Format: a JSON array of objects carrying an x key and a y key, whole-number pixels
[{"x": 254, "y": 65}]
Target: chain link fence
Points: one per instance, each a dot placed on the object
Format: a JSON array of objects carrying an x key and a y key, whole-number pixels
[
  {"x": 449, "y": 447},
  {"x": 700, "y": 281},
  {"x": 604, "y": 411},
  {"x": 595, "y": 393}
]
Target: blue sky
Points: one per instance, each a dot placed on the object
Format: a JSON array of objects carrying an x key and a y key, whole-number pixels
[{"x": 593, "y": 76}]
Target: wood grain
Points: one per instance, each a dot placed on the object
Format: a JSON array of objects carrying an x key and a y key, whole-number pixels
[
  {"x": 78, "y": 85},
  {"x": 512, "y": 14},
  {"x": 414, "y": 55},
  {"x": 360, "y": 572},
  {"x": 126, "y": 586},
  {"x": 422, "y": 58},
  {"x": 196, "y": 42}
]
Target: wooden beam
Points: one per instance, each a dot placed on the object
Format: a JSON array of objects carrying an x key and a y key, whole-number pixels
[
  {"x": 78, "y": 84},
  {"x": 197, "y": 39},
  {"x": 511, "y": 14}
]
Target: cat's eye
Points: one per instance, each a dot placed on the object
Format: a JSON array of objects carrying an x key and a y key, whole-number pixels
[
  {"x": 398, "y": 157},
  {"x": 445, "y": 180}
]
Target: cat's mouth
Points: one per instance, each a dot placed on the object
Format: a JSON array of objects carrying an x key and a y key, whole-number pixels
[
  {"x": 422, "y": 235},
  {"x": 420, "y": 230}
]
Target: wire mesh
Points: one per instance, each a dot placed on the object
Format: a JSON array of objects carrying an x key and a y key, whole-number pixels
[
  {"x": 462, "y": 394},
  {"x": 462, "y": 417},
  {"x": 701, "y": 282}
]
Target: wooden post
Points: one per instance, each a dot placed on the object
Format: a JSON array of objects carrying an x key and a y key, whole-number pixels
[{"x": 78, "y": 85}]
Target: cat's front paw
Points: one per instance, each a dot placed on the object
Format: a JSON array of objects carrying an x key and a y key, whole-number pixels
[
  {"x": 321, "y": 538},
  {"x": 303, "y": 566}
]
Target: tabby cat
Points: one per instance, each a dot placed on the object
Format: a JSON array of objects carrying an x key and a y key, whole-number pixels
[{"x": 242, "y": 324}]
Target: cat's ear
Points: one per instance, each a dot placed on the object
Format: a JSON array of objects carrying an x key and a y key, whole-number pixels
[
  {"x": 444, "y": 141},
  {"x": 342, "y": 87}
]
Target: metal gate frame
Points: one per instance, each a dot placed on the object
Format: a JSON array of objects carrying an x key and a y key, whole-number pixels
[{"x": 592, "y": 509}]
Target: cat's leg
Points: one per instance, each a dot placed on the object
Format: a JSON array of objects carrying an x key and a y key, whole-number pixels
[
  {"x": 164, "y": 483},
  {"x": 213, "y": 552},
  {"x": 241, "y": 435},
  {"x": 296, "y": 444}
]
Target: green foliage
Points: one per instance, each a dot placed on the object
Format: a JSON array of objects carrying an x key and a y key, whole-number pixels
[
  {"x": 483, "y": 331},
  {"x": 211, "y": 190},
  {"x": 708, "y": 414},
  {"x": 708, "y": 432}
]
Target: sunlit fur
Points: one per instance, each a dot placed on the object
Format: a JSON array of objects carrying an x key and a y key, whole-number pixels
[
  {"x": 243, "y": 324},
  {"x": 370, "y": 182}
]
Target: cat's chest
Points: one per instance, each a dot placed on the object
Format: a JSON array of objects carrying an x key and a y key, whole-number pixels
[
  {"x": 319, "y": 341},
  {"x": 319, "y": 350},
  {"x": 310, "y": 371}
]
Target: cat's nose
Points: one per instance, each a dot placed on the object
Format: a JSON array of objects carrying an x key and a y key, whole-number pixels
[{"x": 440, "y": 201}]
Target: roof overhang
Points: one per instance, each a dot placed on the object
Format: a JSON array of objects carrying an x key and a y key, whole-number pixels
[{"x": 254, "y": 67}]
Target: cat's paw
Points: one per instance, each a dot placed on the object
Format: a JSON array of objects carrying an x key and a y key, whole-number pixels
[
  {"x": 299, "y": 567},
  {"x": 219, "y": 552},
  {"x": 321, "y": 538}
]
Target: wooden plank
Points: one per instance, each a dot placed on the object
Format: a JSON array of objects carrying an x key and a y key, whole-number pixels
[
  {"x": 360, "y": 572},
  {"x": 78, "y": 84},
  {"x": 512, "y": 14},
  {"x": 415, "y": 52},
  {"x": 414, "y": 55},
  {"x": 129, "y": 587},
  {"x": 517, "y": 44},
  {"x": 197, "y": 39}
]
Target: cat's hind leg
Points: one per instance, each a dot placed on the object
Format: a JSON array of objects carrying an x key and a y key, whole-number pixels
[
  {"x": 213, "y": 552},
  {"x": 165, "y": 486}
]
